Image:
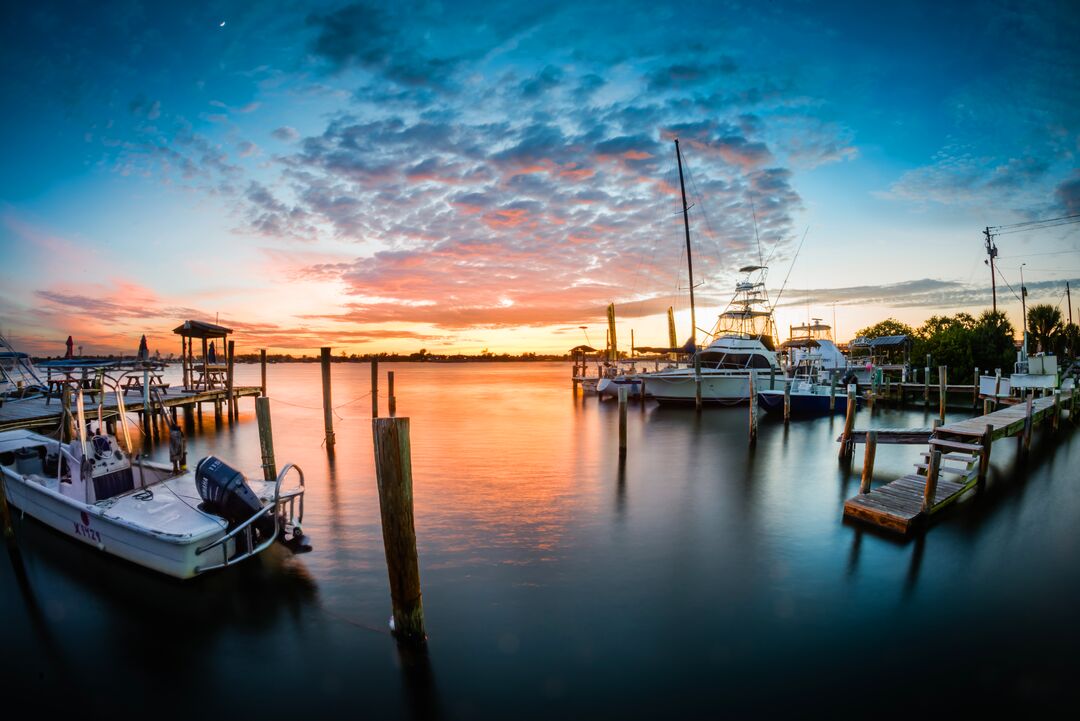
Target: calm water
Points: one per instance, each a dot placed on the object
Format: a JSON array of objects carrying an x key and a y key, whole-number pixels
[{"x": 705, "y": 579}]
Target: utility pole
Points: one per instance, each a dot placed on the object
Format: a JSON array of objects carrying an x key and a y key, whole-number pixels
[
  {"x": 1023, "y": 308},
  {"x": 992, "y": 251}
]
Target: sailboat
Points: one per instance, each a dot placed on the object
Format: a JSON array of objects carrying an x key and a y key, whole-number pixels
[{"x": 742, "y": 347}]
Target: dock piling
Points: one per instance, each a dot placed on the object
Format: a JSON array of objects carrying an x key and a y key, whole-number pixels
[
  {"x": 266, "y": 438},
  {"x": 328, "y": 408},
  {"x": 374, "y": 388},
  {"x": 932, "y": 468},
  {"x": 832, "y": 392},
  {"x": 868, "y": 461},
  {"x": 391, "y": 400},
  {"x": 984, "y": 458},
  {"x": 943, "y": 387},
  {"x": 231, "y": 406},
  {"x": 753, "y": 412},
  {"x": 622, "y": 422},
  {"x": 1028, "y": 421},
  {"x": 849, "y": 423},
  {"x": 262, "y": 369},
  {"x": 393, "y": 473},
  {"x": 787, "y": 401},
  {"x": 926, "y": 382},
  {"x": 975, "y": 391}
]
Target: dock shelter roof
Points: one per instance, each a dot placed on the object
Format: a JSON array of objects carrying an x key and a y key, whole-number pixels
[
  {"x": 885, "y": 341},
  {"x": 201, "y": 329}
]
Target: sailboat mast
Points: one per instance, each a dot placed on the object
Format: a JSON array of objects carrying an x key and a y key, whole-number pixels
[
  {"x": 690, "y": 271},
  {"x": 689, "y": 254}
]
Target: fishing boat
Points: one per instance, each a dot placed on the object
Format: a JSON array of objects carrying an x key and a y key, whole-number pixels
[
  {"x": 178, "y": 522},
  {"x": 19, "y": 378},
  {"x": 812, "y": 344},
  {"x": 807, "y": 397}
]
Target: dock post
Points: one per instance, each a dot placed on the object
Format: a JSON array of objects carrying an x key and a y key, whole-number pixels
[
  {"x": 262, "y": 369},
  {"x": 230, "y": 401},
  {"x": 988, "y": 406},
  {"x": 975, "y": 391},
  {"x": 374, "y": 387},
  {"x": 926, "y": 383},
  {"x": 753, "y": 412},
  {"x": 1028, "y": 420},
  {"x": 622, "y": 422},
  {"x": 868, "y": 461},
  {"x": 393, "y": 473},
  {"x": 787, "y": 400},
  {"x": 391, "y": 400},
  {"x": 266, "y": 438},
  {"x": 1057, "y": 409},
  {"x": 849, "y": 423},
  {"x": 984, "y": 459},
  {"x": 943, "y": 386},
  {"x": 832, "y": 393},
  {"x": 189, "y": 415},
  {"x": 328, "y": 408},
  {"x": 932, "y": 467}
]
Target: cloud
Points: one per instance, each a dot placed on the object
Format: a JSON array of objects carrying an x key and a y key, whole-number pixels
[
  {"x": 1067, "y": 194},
  {"x": 922, "y": 293},
  {"x": 286, "y": 134}
]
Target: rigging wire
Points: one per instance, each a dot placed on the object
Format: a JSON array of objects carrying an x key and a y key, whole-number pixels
[{"x": 797, "y": 250}]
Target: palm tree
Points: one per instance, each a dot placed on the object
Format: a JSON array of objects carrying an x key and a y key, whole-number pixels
[{"x": 1044, "y": 325}]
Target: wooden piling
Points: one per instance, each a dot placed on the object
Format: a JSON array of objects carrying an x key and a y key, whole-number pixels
[
  {"x": 374, "y": 388},
  {"x": 988, "y": 407},
  {"x": 1057, "y": 409},
  {"x": 391, "y": 400},
  {"x": 753, "y": 412},
  {"x": 231, "y": 404},
  {"x": 622, "y": 422},
  {"x": 266, "y": 438},
  {"x": 931, "y": 480},
  {"x": 849, "y": 423},
  {"x": 943, "y": 385},
  {"x": 328, "y": 408},
  {"x": 262, "y": 369},
  {"x": 984, "y": 458},
  {"x": 393, "y": 473},
  {"x": 787, "y": 401},
  {"x": 832, "y": 392},
  {"x": 868, "y": 461},
  {"x": 1028, "y": 421},
  {"x": 975, "y": 391},
  {"x": 926, "y": 383}
]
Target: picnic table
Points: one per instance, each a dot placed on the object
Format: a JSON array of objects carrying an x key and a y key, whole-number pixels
[
  {"x": 133, "y": 382},
  {"x": 215, "y": 376}
]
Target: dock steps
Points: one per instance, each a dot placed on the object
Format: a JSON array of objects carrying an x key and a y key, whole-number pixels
[{"x": 957, "y": 445}]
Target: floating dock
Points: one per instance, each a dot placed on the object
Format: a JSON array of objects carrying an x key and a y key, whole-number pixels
[{"x": 957, "y": 460}]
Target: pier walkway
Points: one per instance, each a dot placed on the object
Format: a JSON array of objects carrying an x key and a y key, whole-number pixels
[
  {"x": 35, "y": 413},
  {"x": 957, "y": 460}
]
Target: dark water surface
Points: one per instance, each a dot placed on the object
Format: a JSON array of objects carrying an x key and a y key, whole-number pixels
[{"x": 704, "y": 580}]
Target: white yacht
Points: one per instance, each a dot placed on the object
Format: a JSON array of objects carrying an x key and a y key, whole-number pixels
[
  {"x": 812, "y": 345},
  {"x": 742, "y": 348}
]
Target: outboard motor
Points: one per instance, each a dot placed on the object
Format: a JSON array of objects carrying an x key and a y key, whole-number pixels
[{"x": 226, "y": 494}]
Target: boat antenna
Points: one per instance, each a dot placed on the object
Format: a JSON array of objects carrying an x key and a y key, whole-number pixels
[
  {"x": 781, "y": 293},
  {"x": 757, "y": 237}
]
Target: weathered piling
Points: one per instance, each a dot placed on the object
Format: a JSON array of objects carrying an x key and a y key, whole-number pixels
[
  {"x": 622, "y": 423},
  {"x": 374, "y": 388},
  {"x": 262, "y": 370},
  {"x": 1057, "y": 409},
  {"x": 975, "y": 390},
  {"x": 753, "y": 412},
  {"x": 988, "y": 407},
  {"x": 266, "y": 438},
  {"x": 868, "y": 461},
  {"x": 832, "y": 392},
  {"x": 231, "y": 404},
  {"x": 984, "y": 459},
  {"x": 328, "y": 408},
  {"x": 926, "y": 383},
  {"x": 943, "y": 385},
  {"x": 391, "y": 400},
  {"x": 393, "y": 473},
  {"x": 932, "y": 468},
  {"x": 849, "y": 423},
  {"x": 787, "y": 401},
  {"x": 1028, "y": 421}
]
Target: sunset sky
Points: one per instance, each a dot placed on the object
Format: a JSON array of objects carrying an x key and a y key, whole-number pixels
[{"x": 460, "y": 175}]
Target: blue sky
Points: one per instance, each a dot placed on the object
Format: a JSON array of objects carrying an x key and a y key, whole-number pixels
[{"x": 460, "y": 176}]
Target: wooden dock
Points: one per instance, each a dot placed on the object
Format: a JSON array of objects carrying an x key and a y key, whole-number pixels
[
  {"x": 957, "y": 460},
  {"x": 35, "y": 413}
]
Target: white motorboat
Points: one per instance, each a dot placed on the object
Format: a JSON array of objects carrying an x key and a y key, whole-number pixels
[
  {"x": 19, "y": 378},
  {"x": 180, "y": 523},
  {"x": 812, "y": 344}
]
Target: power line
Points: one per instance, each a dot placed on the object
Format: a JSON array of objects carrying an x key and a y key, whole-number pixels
[{"x": 1035, "y": 224}]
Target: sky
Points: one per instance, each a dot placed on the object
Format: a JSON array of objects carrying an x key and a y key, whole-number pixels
[{"x": 462, "y": 176}]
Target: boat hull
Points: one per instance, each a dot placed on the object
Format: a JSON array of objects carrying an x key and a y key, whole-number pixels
[
  {"x": 803, "y": 405},
  {"x": 609, "y": 387},
  {"x": 722, "y": 388},
  {"x": 172, "y": 555}
]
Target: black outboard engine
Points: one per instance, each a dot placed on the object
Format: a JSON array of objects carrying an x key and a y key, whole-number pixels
[{"x": 226, "y": 494}]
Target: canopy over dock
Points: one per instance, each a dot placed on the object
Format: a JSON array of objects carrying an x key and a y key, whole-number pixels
[{"x": 212, "y": 370}]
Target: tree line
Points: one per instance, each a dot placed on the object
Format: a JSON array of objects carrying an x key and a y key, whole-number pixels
[{"x": 965, "y": 342}]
